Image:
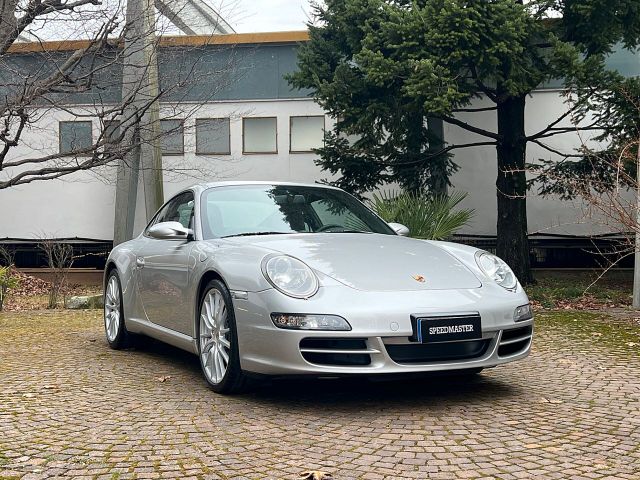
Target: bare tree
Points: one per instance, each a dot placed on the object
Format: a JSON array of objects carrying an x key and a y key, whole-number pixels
[
  {"x": 59, "y": 258},
  {"x": 6, "y": 257},
  {"x": 88, "y": 67},
  {"x": 604, "y": 174}
]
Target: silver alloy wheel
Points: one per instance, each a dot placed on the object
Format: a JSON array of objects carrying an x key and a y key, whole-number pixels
[
  {"x": 215, "y": 343},
  {"x": 112, "y": 309}
]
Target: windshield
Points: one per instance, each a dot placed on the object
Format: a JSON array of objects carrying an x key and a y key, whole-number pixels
[{"x": 274, "y": 209}]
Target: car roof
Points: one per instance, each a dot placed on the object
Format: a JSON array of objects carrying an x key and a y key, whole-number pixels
[{"x": 252, "y": 182}]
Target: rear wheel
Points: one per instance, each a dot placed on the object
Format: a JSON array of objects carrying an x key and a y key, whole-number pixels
[
  {"x": 218, "y": 340},
  {"x": 114, "y": 327}
]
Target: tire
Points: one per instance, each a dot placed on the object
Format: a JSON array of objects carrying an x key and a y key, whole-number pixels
[
  {"x": 114, "y": 319},
  {"x": 217, "y": 338}
]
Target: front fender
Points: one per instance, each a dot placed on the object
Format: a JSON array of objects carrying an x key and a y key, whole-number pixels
[{"x": 238, "y": 265}]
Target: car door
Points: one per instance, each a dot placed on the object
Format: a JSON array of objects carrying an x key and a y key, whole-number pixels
[{"x": 164, "y": 269}]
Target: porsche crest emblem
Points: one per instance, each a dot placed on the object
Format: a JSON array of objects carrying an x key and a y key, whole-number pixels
[{"x": 419, "y": 278}]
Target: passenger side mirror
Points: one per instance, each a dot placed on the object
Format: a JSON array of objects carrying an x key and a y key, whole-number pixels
[
  {"x": 400, "y": 229},
  {"x": 170, "y": 231}
]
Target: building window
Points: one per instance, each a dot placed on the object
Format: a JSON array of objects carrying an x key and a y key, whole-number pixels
[
  {"x": 213, "y": 136},
  {"x": 172, "y": 137},
  {"x": 75, "y": 137},
  {"x": 111, "y": 131},
  {"x": 306, "y": 133},
  {"x": 260, "y": 135}
]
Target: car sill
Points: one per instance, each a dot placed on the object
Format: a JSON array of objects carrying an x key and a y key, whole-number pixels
[{"x": 177, "y": 339}]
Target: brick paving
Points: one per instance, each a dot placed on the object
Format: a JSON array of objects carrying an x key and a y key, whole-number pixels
[{"x": 71, "y": 407}]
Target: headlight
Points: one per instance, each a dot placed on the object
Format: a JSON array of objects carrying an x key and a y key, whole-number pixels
[
  {"x": 290, "y": 276},
  {"x": 309, "y": 322},
  {"x": 496, "y": 269}
]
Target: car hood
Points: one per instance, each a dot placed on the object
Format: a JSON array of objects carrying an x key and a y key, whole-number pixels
[{"x": 373, "y": 262}]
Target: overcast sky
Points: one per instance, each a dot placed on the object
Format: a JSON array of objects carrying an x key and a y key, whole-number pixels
[
  {"x": 245, "y": 16},
  {"x": 266, "y": 15}
]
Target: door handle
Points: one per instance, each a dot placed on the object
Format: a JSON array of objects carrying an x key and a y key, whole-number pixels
[{"x": 139, "y": 262}]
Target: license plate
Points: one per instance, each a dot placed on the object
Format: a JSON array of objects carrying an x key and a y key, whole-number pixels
[{"x": 448, "y": 329}]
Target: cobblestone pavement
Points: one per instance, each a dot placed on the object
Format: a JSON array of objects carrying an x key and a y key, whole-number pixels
[{"x": 71, "y": 407}]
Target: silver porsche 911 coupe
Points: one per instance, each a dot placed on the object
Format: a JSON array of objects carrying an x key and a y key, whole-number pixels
[{"x": 277, "y": 279}]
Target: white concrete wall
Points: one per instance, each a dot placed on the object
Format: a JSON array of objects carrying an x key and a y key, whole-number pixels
[
  {"x": 82, "y": 205},
  {"x": 478, "y": 171}
]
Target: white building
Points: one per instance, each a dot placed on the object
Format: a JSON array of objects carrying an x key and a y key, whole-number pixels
[{"x": 255, "y": 127}]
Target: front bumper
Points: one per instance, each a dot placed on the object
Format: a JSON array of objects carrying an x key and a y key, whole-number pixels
[{"x": 380, "y": 339}]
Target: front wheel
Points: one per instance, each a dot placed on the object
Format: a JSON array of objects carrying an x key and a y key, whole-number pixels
[{"x": 218, "y": 341}]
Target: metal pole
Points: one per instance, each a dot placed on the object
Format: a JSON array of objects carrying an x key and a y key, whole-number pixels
[{"x": 636, "y": 271}]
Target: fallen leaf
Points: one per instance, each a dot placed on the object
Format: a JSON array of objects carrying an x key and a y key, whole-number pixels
[
  {"x": 315, "y": 475},
  {"x": 549, "y": 400}
]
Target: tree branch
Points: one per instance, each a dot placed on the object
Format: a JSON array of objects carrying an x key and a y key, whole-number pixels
[
  {"x": 470, "y": 128},
  {"x": 557, "y": 152},
  {"x": 563, "y": 130},
  {"x": 473, "y": 110},
  {"x": 552, "y": 125},
  {"x": 35, "y": 9},
  {"x": 438, "y": 153}
]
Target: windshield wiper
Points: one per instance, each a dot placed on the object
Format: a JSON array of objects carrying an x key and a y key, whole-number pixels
[{"x": 250, "y": 234}]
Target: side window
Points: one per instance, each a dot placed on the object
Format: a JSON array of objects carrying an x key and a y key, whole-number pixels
[{"x": 179, "y": 209}]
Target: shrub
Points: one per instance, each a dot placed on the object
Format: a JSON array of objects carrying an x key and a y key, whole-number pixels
[
  {"x": 427, "y": 217},
  {"x": 8, "y": 281},
  {"x": 59, "y": 257}
]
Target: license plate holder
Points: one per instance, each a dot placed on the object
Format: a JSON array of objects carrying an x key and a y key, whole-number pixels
[{"x": 447, "y": 329}]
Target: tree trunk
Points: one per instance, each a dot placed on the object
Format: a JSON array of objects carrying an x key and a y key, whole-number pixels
[
  {"x": 428, "y": 174},
  {"x": 439, "y": 179},
  {"x": 512, "y": 242}
]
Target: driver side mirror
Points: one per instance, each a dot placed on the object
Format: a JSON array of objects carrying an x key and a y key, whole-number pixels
[
  {"x": 170, "y": 231},
  {"x": 400, "y": 229}
]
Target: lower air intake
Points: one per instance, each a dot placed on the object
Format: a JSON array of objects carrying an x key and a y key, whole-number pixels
[
  {"x": 343, "y": 352},
  {"x": 437, "y": 352}
]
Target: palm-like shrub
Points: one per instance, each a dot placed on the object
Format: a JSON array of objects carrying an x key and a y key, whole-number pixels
[{"x": 427, "y": 217}]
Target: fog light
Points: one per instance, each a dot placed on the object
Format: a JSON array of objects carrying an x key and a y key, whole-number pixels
[
  {"x": 309, "y": 322},
  {"x": 523, "y": 312}
]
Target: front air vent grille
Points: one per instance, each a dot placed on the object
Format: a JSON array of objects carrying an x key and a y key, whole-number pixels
[
  {"x": 515, "y": 341},
  {"x": 437, "y": 352},
  {"x": 514, "y": 333},
  {"x": 344, "y": 352}
]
